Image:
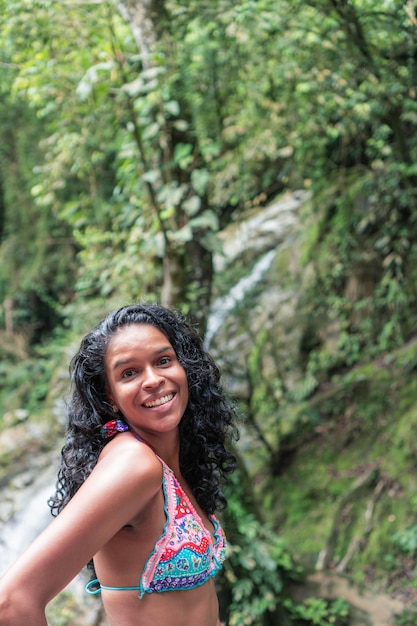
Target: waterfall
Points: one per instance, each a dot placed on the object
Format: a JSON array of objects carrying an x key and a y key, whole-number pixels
[
  {"x": 28, "y": 499},
  {"x": 223, "y": 305},
  {"x": 265, "y": 230},
  {"x": 31, "y": 517}
]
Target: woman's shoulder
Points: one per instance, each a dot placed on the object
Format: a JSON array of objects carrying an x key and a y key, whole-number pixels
[{"x": 128, "y": 458}]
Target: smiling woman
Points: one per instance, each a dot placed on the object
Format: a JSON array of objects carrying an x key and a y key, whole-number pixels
[
  {"x": 149, "y": 386},
  {"x": 140, "y": 479}
]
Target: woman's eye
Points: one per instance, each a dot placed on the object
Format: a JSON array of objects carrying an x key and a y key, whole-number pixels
[
  {"x": 164, "y": 361},
  {"x": 128, "y": 374}
]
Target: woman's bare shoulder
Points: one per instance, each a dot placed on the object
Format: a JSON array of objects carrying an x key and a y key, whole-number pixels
[
  {"x": 126, "y": 456},
  {"x": 127, "y": 476}
]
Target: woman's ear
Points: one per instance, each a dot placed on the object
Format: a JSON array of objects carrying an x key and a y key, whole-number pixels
[{"x": 114, "y": 406}]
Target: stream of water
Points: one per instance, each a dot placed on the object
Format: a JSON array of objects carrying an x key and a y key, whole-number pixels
[
  {"x": 223, "y": 305},
  {"x": 27, "y": 523}
]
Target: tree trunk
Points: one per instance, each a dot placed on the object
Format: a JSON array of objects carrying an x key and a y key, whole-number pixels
[
  {"x": 200, "y": 271},
  {"x": 173, "y": 288},
  {"x": 187, "y": 267}
]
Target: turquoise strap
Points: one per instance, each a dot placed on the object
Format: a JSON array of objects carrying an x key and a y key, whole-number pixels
[{"x": 94, "y": 592}]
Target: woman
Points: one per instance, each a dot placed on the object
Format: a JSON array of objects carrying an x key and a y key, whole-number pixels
[{"x": 139, "y": 480}]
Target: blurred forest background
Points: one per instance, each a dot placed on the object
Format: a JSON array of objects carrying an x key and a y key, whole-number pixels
[{"x": 135, "y": 138}]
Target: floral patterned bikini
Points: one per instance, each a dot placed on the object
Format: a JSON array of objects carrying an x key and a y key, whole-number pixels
[{"x": 185, "y": 555}]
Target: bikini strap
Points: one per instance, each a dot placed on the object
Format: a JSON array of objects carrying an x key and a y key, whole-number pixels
[
  {"x": 92, "y": 583},
  {"x": 94, "y": 592}
]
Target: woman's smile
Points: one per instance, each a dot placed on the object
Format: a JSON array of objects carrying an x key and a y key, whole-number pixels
[{"x": 159, "y": 401}]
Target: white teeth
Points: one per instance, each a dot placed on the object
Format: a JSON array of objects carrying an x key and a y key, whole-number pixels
[{"x": 160, "y": 401}]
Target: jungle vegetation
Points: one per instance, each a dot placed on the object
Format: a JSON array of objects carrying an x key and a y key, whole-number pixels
[{"x": 132, "y": 133}]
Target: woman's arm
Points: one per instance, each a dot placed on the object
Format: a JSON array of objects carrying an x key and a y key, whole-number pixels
[{"x": 126, "y": 477}]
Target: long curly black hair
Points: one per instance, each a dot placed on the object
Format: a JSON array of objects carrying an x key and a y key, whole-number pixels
[{"x": 207, "y": 426}]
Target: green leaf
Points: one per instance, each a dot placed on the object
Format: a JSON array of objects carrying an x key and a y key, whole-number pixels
[
  {"x": 183, "y": 235},
  {"x": 172, "y": 107},
  {"x": 182, "y": 154},
  {"x": 135, "y": 87},
  {"x": 151, "y": 176},
  {"x": 181, "y": 125},
  {"x": 91, "y": 78},
  {"x": 199, "y": 180},
  {"x": 208, "y": 219},
  {"x": 192, "y": 205}
]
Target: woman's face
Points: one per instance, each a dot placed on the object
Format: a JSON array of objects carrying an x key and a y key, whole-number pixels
[{"x": 145, "y": 379}]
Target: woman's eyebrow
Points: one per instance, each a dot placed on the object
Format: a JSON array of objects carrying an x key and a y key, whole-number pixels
[
  {"x": 119, "y": 363},
  {"x": 159, "y": 351},
  {"x": 164, "y": 349}
]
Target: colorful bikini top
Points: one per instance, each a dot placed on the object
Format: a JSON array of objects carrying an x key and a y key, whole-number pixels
[{"x": 185, "y": 555}]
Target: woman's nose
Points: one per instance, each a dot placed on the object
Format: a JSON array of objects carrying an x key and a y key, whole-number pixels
[{"x": 152, "y": 378}]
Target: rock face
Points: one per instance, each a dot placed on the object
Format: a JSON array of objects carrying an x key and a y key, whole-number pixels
[
  {"x": 23, "y": 511},
  {"x": 266, "y": 245},
  {"x": 260, "y": 230}
]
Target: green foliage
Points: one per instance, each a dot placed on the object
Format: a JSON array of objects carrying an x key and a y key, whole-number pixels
[
  {"x": 363, "y": 282},
  {"x": 365, "y": 233},
  {"x": 120, "y": 163},
  {"x": 36, "y": 249},
  {"x": 258, "y": 563},
  {"x": 370, "y": 424},
  {"x": 266, "y": 391},
  {"x": 258, "y": 570},
  {"x": 406, "y": 540},
  {"x": 25, "y": 382},
  {"x": 23, "y": 386},
  {"x": 407, "y": 618},
  {"x": 161, "y": 145},
  {"x": 319, "y": 612}
]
